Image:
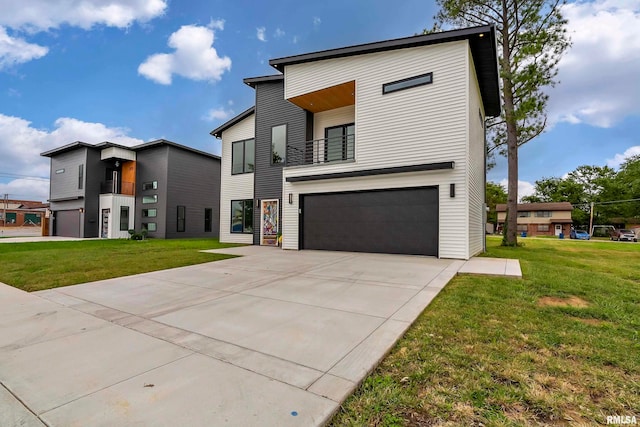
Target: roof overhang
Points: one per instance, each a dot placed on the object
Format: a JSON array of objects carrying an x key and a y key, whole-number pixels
[
  {"x": 253, "y": 81},
  {"x": 328, "y": 98},
  {"x": 217, "y": 132}
]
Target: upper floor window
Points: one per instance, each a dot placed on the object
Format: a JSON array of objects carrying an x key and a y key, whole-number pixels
[
  {"x": 278, "y": 144},
  {"x": 243, "y": 155},
  {"x": 149, "y": 213},
  {"x": 59, "y": 171},
  {"x": 151, "y": 185},
  {"x": 421, "y": 80},
  {"x": 339, "y": 143},
  {"x": 150, "y": 199},
  {"x": 80, "y": 176},
  {"x": 543, "y": 214},
  {"x": 524, "y": 214}
]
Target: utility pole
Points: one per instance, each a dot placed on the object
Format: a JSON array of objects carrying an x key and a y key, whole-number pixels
[{"x": 591, "y": 219}]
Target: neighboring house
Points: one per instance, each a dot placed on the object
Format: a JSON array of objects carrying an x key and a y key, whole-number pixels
[
  {"x": 370, "y": 148},
  {"x": 104, "y": 190},
  {"x": 540, "y": 219},
  {"x": 18, "y": 213}
]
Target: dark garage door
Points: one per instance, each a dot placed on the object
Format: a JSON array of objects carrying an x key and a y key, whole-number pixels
[
  {"x": 67, "y": 223},
  {"x": 403, "y": 221}
]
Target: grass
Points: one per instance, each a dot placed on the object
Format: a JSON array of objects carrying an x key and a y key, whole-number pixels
[
  {"x": 504, "y": 352},
  {"x": 45, "y": 265}
]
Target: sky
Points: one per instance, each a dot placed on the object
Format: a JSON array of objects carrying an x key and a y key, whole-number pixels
[{"x": 130, "y": 71}]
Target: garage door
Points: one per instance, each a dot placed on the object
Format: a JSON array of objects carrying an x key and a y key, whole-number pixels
[
  {"x": 403, "y": 221},
  {"x": 67, "y": 223}
]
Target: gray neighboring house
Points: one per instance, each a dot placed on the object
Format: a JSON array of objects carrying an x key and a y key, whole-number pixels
[
  {"x": 103, "y": 190},
  {"x": 378, "y": 147}
]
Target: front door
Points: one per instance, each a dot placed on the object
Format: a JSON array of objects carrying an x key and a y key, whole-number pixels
[
  {"x": 104, "y": 233},
  {"x": 558, "y": 229},
  {"x": 269, "y": 222}
]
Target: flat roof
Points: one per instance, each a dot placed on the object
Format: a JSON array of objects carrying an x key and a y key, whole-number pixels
[
  {"x": 482, "y": 40},
  {"x": 217, "y": 132},
  {"x": 253, "y": 81}
]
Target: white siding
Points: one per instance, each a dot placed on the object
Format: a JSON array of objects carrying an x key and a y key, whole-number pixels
[
  {"x": 117, "y": 153},
  {"x": 114, "y": 202},
  {"x": 425, "y": 124},
  {"x": 336, "y": 117},
  {"x": 234, "y": 187},
  {"x": 476, "y": 176}
]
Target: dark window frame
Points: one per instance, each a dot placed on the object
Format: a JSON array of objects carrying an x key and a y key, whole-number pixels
[
  {"x": 80, "y": 176},
  {"x": 208, "y": 220},
  {"x": 124, "y": 209},
  {"x": 388, "y": 88},
  {"x": 543, "y": 227},
  {"x": 154, "y": 185},
  {"x": 244, "y": 156},
  {"x": 155, "y": 214},
  {"x": 345, "y": 145},
  {"x": 181, "y": 220},
  {"x": 544, "y": 214},
  {"x": 146, "y": 225},
  {"x": 286, "y": 138},
  {"x": 155, "y": 196},
  {"x": 244, "y": 202}
]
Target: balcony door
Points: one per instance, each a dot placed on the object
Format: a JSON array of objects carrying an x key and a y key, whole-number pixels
[{"x": 339, "y": 143}]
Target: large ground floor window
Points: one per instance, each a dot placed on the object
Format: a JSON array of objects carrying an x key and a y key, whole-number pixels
[{"x": 242, "y": 216}]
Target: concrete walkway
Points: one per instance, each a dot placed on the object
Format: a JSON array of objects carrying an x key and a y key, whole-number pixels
[{"x": 271, "y": 338}]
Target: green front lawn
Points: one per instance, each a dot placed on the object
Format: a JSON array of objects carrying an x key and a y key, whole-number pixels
[
  {"x": 559, "y": 347},
  {"x": 45, "y": 265}
]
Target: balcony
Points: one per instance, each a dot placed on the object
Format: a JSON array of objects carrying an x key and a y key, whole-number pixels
[
  {"x": 116, "y": 187},
  {"x": 321, "y": 151}
]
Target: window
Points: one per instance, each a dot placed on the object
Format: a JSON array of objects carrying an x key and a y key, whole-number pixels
[
  {"x": 278, "y": 144},
  {"x": 59, "y": 171},
  {"x": 149, "y": 213},
  {"x": 410, "y": 82},
  {"x": 339, "y": 143},
  {"x": 523, "y": 227},
  {"x": 243, "y": 154},
  {"x": 151, "y": 185},
  {"x": 543, "y": 227},
  {"x": 149, "y": 226},
  {"x": 208, "y": 218},
  {"x": 80, "y": 176},
  {"x": 182, "y": 212},
  {"x": 242, "y": 216},
  {"x": 150, "y": 199},
  {"x": 543, "y": 214},
  {"x": 124, "y": 218},
  {"x": 524, "y": 214}
]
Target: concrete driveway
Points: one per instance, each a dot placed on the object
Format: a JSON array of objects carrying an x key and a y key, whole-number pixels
[{"x": 272, "y": 338}]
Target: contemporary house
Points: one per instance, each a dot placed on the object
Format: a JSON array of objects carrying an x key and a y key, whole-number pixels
[
  {"x": 369, "y": 148},
  {"x": 104, "y": 190},
  {"x": 540, "y": 219}
]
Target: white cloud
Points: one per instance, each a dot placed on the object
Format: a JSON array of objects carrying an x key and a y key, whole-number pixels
[
  {"x": 21, "y": 145},
  {"x": 42, "y": 15},
  {"x": 216, "y": 24},
  {"x": 316, "y": 21},
  {"x": 525, "y": 188},
  {"x": 295, "y": 39},
  {"x": 217, "y": 114},
  {"x": 26, "y": 189},
  {"x": 619, "y": 159},
  {"x": 598, "y": 75},
  {"x": 14, "y": 50},
  {"x": 194, "y": 57},
  {"x": 260, "y": 34},
  {"x": 279, "y": 33}
]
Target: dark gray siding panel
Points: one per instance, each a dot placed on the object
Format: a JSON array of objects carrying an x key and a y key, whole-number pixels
[
  {"x": 151, "y": 165},
  {"x": 273, "y": 110},
  {"x": 65, "y": 185},
  {"x": 194, "y": 182},
  {"x": 94, "y": 174}
]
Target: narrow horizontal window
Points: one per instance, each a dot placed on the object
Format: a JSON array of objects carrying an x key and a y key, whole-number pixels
[
  {"x": 151, "y": 185},
  {"x": 410, "y": 82},
  {"x": 149, "y": 213},
  {"x": 149, "y": 226},
  {"x": 59, "y": 171},
  {"x": 150, "y": 199}
]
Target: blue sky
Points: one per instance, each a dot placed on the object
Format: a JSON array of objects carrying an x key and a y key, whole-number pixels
[{"x": 130, "y": 71}]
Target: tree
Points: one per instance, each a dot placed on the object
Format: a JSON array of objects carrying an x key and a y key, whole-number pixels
[
  {"x": 494, "y": 194},
  {"x": 532, "y": 37},
  {"x": 562, "y": 190}
]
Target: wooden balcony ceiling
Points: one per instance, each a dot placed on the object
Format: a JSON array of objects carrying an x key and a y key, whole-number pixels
[{"x": 328, "y": 98}]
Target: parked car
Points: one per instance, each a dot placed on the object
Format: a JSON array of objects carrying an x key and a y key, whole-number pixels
[
  {"x": 579, "y": 234},
  {"x": 623, "y": 235}
]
